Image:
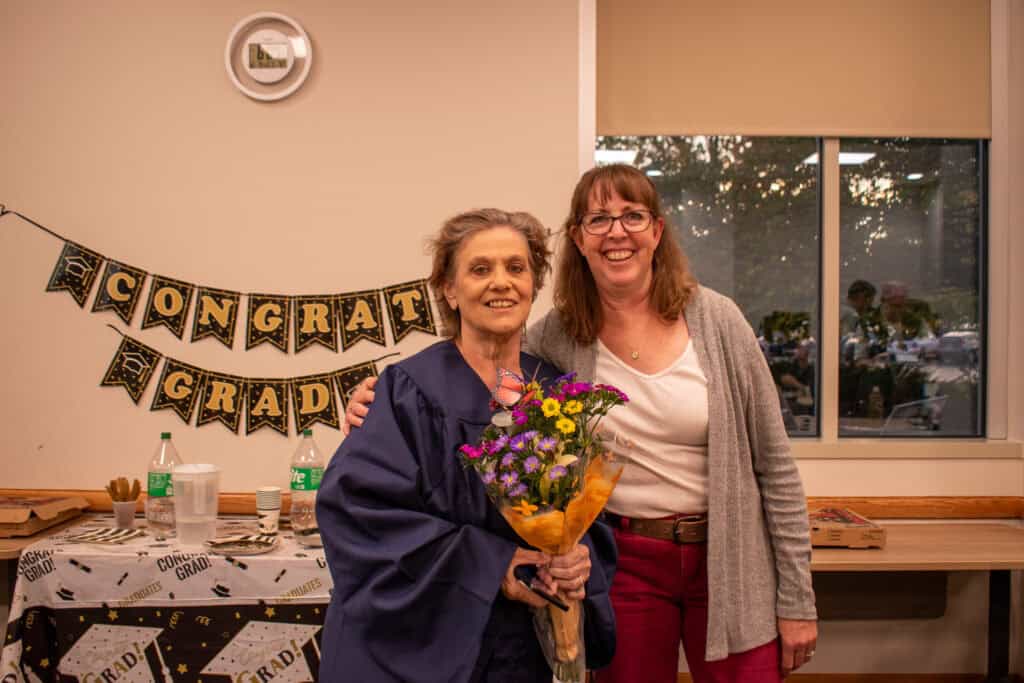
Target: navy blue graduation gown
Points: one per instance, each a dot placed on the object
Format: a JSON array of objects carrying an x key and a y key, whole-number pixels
[{"x": 416, "y": 550}]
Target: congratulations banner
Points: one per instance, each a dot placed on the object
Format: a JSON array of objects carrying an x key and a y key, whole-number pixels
[
  {"x": 223, "y": 398},
  {"x": 286, "y": 321}
]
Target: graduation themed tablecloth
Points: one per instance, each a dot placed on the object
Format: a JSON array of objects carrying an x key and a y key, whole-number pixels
[{"x": 151, "y": 610}]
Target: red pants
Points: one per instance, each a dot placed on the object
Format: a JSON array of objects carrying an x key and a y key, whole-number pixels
[{"x": 660, "y": 596}]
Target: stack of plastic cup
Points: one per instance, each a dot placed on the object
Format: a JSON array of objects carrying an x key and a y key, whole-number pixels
[{"x": 268, "y": 508}]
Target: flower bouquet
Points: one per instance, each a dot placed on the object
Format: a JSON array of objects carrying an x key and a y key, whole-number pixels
[{"x": 546, "y": 467}]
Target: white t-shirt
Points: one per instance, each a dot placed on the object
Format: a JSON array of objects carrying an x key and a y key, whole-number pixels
[{"x": 667, "y": 421}]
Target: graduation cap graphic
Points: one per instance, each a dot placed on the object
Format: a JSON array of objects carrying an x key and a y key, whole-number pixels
[
  {"x": 118, "y": 650},
  {"x": 265, "y": 644},
  {"x": 134, "y": 363},
  {"x": 16, "y": 673},
  {"x": 77, "y": 267},
  {"x": 75, "y": 272}
]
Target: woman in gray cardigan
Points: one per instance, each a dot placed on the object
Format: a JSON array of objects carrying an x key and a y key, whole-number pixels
[{"x": 710, "y": 516}]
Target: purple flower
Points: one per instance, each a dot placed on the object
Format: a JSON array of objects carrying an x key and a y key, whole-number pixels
[
  {"x": 489, "y": 478},
  {"x": 531, "y": 464},
  {"x": 508, "y": 460},
  {"x": 578, "y": 388},
  {"x": 567, "y": 377},
  {"x": 509, "y": 479},
  {"x": 471, "y": 452},
  {"x": 536, "y": 402},
  {"x": 614, "y": 390},
  {"x": 516, "y": 491},
  {"x": 518, "y": 416},
  {"x": 519, "y": 441},
  {"x": 547, "y": 444},
  {"x": 497, "y": 445},
  {"x": 556, "y": 473}
]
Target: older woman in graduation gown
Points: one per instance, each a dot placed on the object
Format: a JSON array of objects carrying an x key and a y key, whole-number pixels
[{"x": 421, "y": 559}]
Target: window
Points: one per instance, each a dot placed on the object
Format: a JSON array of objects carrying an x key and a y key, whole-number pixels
[
  {"x": 911, "y": 337},
  {"x": 747, "y": 211}
]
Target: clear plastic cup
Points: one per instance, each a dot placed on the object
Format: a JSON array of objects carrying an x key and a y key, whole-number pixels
[{"x": 196, "y": 488}]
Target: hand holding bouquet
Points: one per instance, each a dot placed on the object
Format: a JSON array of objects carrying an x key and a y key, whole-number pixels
[{"x": 547, "y": 469}]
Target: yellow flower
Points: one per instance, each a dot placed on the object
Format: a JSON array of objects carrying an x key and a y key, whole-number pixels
[
  {"x": 525, "y": 508},
  {"x": 551, "y": 407},
  {"x": 572, "y": 407},
  {"x": 565, "y": 425}
]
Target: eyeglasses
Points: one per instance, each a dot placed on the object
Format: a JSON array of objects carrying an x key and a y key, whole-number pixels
[{"x": 636, "y": 220}]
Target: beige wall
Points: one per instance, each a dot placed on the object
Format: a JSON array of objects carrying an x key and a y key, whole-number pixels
[{"x": 121, "y": 130}]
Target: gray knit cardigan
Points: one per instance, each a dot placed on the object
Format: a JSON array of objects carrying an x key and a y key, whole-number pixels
[{"x": 759, "y": 550}]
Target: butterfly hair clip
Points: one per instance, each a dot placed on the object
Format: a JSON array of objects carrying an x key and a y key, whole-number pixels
[{"x": 508, "y": 391}]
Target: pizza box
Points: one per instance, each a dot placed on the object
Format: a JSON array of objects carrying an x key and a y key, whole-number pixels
[
  {"x": 24, "y": 516},
  {"x": 844, "y": 528}
]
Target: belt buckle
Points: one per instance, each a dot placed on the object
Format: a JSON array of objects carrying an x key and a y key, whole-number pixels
[{"x": 677, "y": 527}]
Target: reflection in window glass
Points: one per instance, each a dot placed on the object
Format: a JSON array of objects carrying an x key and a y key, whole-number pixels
[
  {"x": 746, "y": 212},
  {"x": 911, "y": 338}
]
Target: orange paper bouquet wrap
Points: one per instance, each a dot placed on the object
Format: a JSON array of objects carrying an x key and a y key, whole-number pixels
[
  {"x": 550, "y": 470},
  {"x": 557, "y": 532}
]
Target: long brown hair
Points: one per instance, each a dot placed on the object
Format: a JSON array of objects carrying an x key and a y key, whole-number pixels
[
  {"x": 445, "y": 245},
  {"x": 576, "y": 296}
]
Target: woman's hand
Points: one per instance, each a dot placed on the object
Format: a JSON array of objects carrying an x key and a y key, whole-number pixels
[
  {"x": 571, "y": 571},
  {"x": 797, "y": 640},
  {"x": 513, "y": 590},
  {"x": 358, "y": 404}
]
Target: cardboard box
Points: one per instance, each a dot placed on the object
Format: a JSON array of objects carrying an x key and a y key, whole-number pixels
[
  {"x": 844, "y": 528},
  {"x": 26, "y": 516}
]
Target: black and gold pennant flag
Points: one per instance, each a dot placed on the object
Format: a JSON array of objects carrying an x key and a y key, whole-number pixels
[
  {"x": 178, "y": 389},
  {"x": 75, "y": 272},
  {"x": 268, "y": 321},
  {"x": 168, "y": 304},
  {"x": 360, "y": 317},
  {"x": 266, "y": 404},
  {"x": 314, "y": 322},
  {"x": 120, "y": 289},
  {"x": 313, "y": 398},
  {"x": 131, "y": 367},
  {"x": 216, "y": 314},
  {"x": 409, "y": 309},
  {"x": 348, "y": 378},
  {"x": 222, "y": 399}
]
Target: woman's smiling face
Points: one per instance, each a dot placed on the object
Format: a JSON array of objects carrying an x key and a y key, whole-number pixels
[
  {"x": 492, "y": 284},
  {"x": 621, "y": 261}
]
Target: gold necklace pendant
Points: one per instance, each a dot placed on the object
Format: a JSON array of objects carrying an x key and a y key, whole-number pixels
[{"x": 634, "y": 355}]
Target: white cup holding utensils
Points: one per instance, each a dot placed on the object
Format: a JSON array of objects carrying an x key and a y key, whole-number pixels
[{"x": 268, "y": 508}]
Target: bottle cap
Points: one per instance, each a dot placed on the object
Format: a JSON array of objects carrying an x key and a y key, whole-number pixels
[
  {"x": 165, "y": 435},
  {"x": 307, "y": 432}
]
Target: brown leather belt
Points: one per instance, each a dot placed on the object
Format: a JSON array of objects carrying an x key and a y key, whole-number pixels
[{"x": 680, "y": 529}]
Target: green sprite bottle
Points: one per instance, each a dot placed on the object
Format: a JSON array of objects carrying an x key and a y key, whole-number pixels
[
  {"x": 159, "y": 490},
  {"x": 307, "y": 471}
]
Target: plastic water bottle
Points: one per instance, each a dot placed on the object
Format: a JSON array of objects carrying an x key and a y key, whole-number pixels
[
  {"x": 159, "y": 489},
  {"x": 307, "y": 471}
]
